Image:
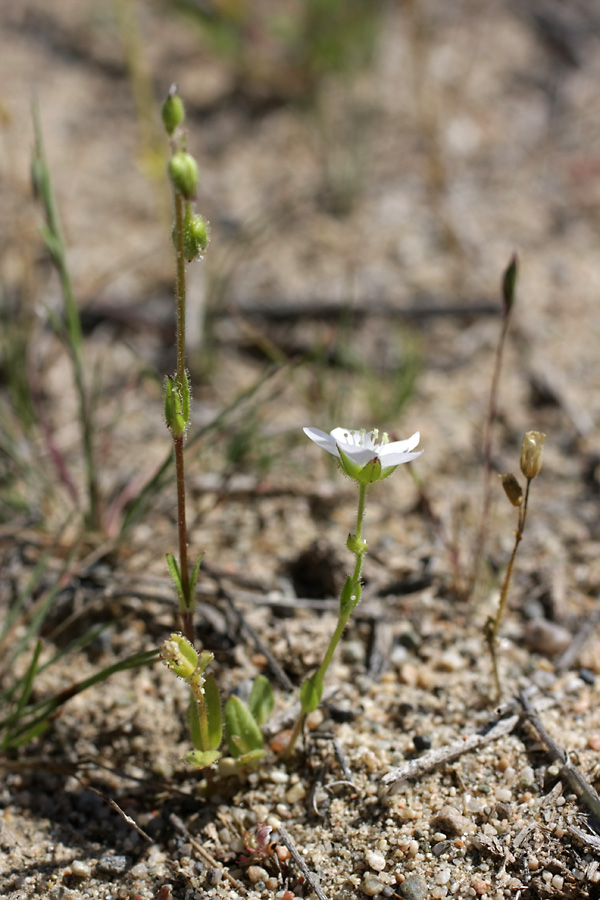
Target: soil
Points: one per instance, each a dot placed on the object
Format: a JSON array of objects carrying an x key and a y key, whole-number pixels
[{"x": 360, "y": 228}]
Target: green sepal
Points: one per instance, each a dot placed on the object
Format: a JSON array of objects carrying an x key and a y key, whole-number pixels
[
  {"x": 261, "y": 700},
  {"x": 241, "y": 730},
  {"x": 175, "y": 574},
  {"x": 310, "y": 694},
  {"x": 200, "y": 759}
]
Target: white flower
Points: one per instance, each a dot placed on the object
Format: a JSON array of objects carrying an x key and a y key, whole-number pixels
[{"x": 363, "y": 455}]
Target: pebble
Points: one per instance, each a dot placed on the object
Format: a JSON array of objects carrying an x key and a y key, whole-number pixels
[
  {"x": 278, "y": 776},
  {"x": 451, "y": 822},
  {"x": 504, "y": 795},
  {"x": 375, "y": 860},
  {"x": 80, "y": 869},
  {"x": 480, "y": 886},
  {"x": 113, "y": 865},
  {"x": 558, "y": 882},
  {"x": 257, "y": 873},
  {"x": 295, "y": 793},
  {"x": 593, "y": 742},
  {"x": 371, "y": 884},
  {"x": 443, "y": 876},
  {"x": 414, "y": 888},
  {"x": 547, "y": 638}
]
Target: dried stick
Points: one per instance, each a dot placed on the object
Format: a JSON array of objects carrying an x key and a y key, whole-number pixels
[
  {"x": 578, "y": 784},
  {"x": 299, "y": 860},
  {"x": 417, "y": 767}
]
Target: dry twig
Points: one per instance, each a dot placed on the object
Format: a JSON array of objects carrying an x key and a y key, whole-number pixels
[{"x": 417, "y": 767}]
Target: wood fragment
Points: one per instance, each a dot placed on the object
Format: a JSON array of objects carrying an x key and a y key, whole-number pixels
[
  {"x": 206, "y": 856},
  {"x": 300, "y": 862},
  {"x": 578, "y": 784},
  {"x": 114, "y": 805},
  {"x": 414, "y": 768},
  {"x": 590, "y": 840}
]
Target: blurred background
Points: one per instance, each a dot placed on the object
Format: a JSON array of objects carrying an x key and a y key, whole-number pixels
[{"x": 367, "y": 167}]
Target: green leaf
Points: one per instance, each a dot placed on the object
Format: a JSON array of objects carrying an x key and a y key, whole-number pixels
[
  {"x": 201, "y": 759},
  {"x": 212, "y": 700},
  {"x": 262, "y": 699},
  {"x": 241, "y": 731},
  {"x": 248, "y": 759},
  {"x": 310, "y": 694},
  {"x": 175, "y": 574},
  {"x": 193, "y": 719}
]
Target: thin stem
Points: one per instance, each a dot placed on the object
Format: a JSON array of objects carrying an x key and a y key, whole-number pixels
[
  {"x": 186, "y": 605},
  {"x": 493, "y": 626},
  {"x": 487, "y": 455},
  {"x": 345, "y": 611},
  {"x": 180, "y": 289}
]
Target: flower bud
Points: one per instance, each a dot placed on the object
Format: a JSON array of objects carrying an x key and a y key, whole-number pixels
[
  {"x": 196, "y": 235},
  {"x": 183, "y": 172},
  {"x": 173, "y": 112},
  {"x": 180, "y": 655},
  {"x": 512, "y": 489},
  {"x": 531, "y": 453},
  {"x": 509, "y": 283},
  {"x": 356, "y": 545},
  {"x": 174, "y": 409}
]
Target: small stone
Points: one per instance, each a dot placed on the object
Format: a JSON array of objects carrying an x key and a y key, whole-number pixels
[
  {"x": 375, "y": 860},
  {"x": 295, "y": 793},
  {"x": 422, "y": 742},
  {"x": 480, "y": 886},
  {"x": 504, "y": 795},
  {"x": 587, "y": 676},
  {"x": 80, "y": 869},
  {"x": 533, "y": 863},
  {"x": 547, "y": 638},
  {"x": 113, "y": 865},
  {"x": 414, "y": 888},
  {"x": 257, "y": 873},
  {"x": 371, "y": 884},
  {"x": 593, "y": 742},
  {"x": 214, "y": 875},
  {"x": 443, "y": 876},
  {"x": 278, "y": 776},
  {"x": 451, "y": 822},
  {"x": 558, "y": 882}
]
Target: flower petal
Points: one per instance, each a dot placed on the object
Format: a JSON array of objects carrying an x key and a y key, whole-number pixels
[
  {"x": 396, "y": 459},
  {"x": 399, "y": 447},
  {"x": 322, "y": 439}
]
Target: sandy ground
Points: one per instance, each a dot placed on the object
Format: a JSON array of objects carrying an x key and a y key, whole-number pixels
[{"x": 356, "y": 242}]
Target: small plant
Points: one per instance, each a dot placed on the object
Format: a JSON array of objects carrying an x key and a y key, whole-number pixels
[
  {"x": 531, "y": 464},
  {"x": 190, "y": 237},
  {"x": 243, "y": 722},
  {"x": 366, "y": 459}
]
